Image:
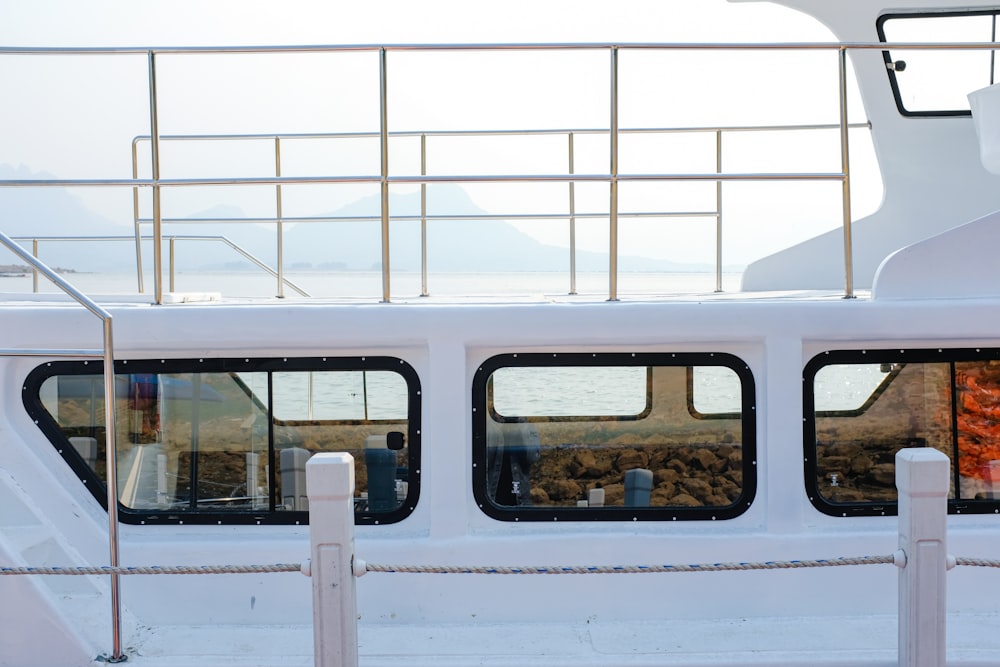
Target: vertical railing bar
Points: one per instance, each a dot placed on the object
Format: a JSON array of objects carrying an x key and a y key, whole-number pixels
[
  {"x": 572, "y": 220},
  {"x": 384, "y": 142},
  {"x": 613, "y": 207},
  {"x": 171, "y": 255},
  {"x": 154, "y": 145},
  {"x": 34, "y": 271},
  {"x": 135, "y": 216},
  {"x": 309, "y": 400},
  {"x": 111, "y": 463},
  {"x": 845, "y": 163},
  {"x": 279, "y": 226},
  {"x": 423, "y": 217},
  {"x": 993, "y": 53},
  {"x": 718, "y": 212}
]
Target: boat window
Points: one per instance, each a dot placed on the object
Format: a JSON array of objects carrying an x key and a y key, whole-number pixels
[
  {"x": 227, "y": 441},
  {"x": 945, "y": 399},
  {"x": 613, "y": 436},
  {"x": 936, "y": 82}
]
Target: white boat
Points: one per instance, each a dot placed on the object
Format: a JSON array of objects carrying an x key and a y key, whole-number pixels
[{"x": 654, "y": 433}]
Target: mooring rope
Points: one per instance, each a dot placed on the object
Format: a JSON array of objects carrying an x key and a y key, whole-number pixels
[
  {"x": 479, "y": 569},
  {"x": 626, "y": 569},
  {"x": 156, "y": 569},
  {"x": 978, "y": 562}
]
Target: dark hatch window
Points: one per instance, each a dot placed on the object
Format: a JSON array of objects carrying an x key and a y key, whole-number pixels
[
  {"x": 227, "y": 441},
  {"x": 936, "y": 82},
  {"x": 945, "y": 399},
  {"x": 613, "y": 437}
]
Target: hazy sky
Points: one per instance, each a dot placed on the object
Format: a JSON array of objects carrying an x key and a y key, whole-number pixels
[
  {"x": 73, "y": 118},
  {"x": 245, "y": 22}
]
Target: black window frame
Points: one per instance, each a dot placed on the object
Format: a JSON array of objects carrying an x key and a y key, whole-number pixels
[
  {"x": 88, "y": 477},
  {"x": 890, "y": 69},
  {"x": 895, "y": 358},
  {"x": 506, "y": 513}
]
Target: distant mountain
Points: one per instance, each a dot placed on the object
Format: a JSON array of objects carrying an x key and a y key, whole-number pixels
[
  {"x": 39, "y": 212},
  {"x": 452, "y": 245}
]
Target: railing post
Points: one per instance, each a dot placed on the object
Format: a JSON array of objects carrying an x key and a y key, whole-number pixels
[
  {"x": 613, "y": 206},
  {"x": 572, "y": 220},
  {"x": 154, "y": 150},
  {"x": 330, "y": 489},
  {"x": 845, "y": 166},
  {"x": 718, "y": 212},
  {"x": 34, "y": 271},
  {"x": 280, "y": 230},
  {"x": 922, "y": 481},
  {"x": 423, "y": 217},
  {"x": 384, "y": 158}
]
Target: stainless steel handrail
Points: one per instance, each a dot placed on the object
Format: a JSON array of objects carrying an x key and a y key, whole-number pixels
[
  {"x": 572, "y": 216},
  {"x": 110, "y": 419},
  {"x": 613, "y": 178},
  {"x": 385, "y": 179}
]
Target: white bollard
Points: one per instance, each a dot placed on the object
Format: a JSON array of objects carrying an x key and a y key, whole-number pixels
[
  {"x": 330, "y": 487},
  {"x": 922, "y": 481}
]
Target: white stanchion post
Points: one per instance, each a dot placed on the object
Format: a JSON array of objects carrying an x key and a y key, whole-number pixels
[
  {"x": 922, "y": 481},
  {"x": 330, "y": 488}
]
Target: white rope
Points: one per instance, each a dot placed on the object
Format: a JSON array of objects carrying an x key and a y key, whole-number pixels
[
  {"x": 626, "y": 569},
  {"x": 979, "y": 562},
  {"x": 482, "y": 569},
  {"x": 156, "y": 569}
]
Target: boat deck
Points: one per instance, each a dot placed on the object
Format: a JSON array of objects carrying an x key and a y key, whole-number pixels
[{"x": 776, "y": 641}]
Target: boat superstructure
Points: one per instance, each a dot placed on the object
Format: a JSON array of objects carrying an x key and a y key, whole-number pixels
[{"x": 602, "y": 430}]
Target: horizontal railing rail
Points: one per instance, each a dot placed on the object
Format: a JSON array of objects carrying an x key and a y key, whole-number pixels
[
  {"x": 571, "y": 214},
  {"x": 613, "y": 177}
]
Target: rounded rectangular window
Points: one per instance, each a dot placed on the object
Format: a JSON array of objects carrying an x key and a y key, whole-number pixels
[
  {"x": 613, "y": 436},
  {"x": 948, "y": 399},
  {"x": 227, "y": 441},
  {"x": 936, "y": 82}
]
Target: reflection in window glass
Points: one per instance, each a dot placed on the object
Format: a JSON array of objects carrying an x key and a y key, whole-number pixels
[
  {"x": 570, "y": 391},
  {"x": 939, "y": 399},
  {"x": 939, "y": 80},
  {"x": 848, "y": 387},
  {"x": 538, "y": 458},
  {"x": 209, "y": 443},
  {"x": 341, "y": 395},
  {"x": 715, "y": 389}
]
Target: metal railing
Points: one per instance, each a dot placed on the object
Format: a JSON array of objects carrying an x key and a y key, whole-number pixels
[
  {"x": 106, "y": 353},
  {"x": 613, "y": 178},
  {"x": 572, "y": 215}
]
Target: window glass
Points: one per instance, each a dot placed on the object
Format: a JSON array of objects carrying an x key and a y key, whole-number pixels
[
  {"x": 848, "y": 387},
  {"x": 558, "y": 392},
  {"x": 937, "y": 81},
  {"x": 715, "y": 390},
  {"x": 945, "y": 399},
  {"x": 231, "y": 445},
  {"x": 539, "y": 455}
]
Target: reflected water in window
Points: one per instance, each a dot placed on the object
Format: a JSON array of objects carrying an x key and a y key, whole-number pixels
[{"x": 621, "y": 434}]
